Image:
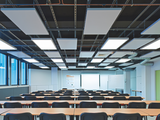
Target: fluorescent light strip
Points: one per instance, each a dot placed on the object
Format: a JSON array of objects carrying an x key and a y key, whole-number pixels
[
  {"x": 57, "y": 60},
  {"x": 82, "y": 64},
  {"x": 153, "y": 45},
  {"x": 90, "y": 66},
  {"x": 71, "y": 60},
  {"x": 31, "y": 60},
  {"x": 19, "y": 54},
  {"x": 108, "y": 67},
  {"x": 6, "y": 46},
  {"x": 44, "y": 67},
  {"x": 122, "y": 60},
  {"x": 44, "y": 43},
  {"x": 96, "y": 60},
  {"x": 113, "y": 43}
]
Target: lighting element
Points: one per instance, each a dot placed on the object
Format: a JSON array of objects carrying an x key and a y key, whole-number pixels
[
  {"x": 6, "y": 46},
  {"x": 153, "y": 45},
  {"x": 96, "y": 60},
  {"x": 31, "y": 60},
  {"x": 57, "y": 60},
  {"x": 123, "y": 60}
]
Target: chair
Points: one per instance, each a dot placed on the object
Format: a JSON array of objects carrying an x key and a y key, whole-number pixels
[
  {"x": 12, "y": 105},
  {"x": 110, "y": 105},
  {"x": 158, "y": 117},
  {"x": 49, "y": 98},
  {"x": 88, "y": 105},
  {"x": 60, "y": 105},
  {"x": 39, "y": 105},
  {"x": 67, "y": 94},
  {"x": 137, "y": 105},
  {"x": 39, "y": 94},
  {"x": 124, "y": 94},
  {"x": 135, "y": 98},
  {"x": 0, "y": 106},
  {"x": 119, "y": 98},
  {"x": 95, "y": 94},
  {"x": 65, "y": 98},
  {"x": 99, "y": 90},
  {"x": 90, "y": 91},
  {"x": 40, "y": 91},
  {"x": 83, "y": 98},
  {"x": 30, "y": 97},
  {"x": 123, "y": 116},
  {"x": 98, "y": 98},
  {"x": 15, "y": 98},
  {"x": 26, "y": 94},
  {"x": 93, "y": 116},
  {"x": 55, "y": 94},
  {"x": 154, "y": 105},
  {"x": 49, "y": 91},
  {"x": 83, "y": 94},
  {"x": 112, "y": 94},
  {"x": 45, "y": 116},
  {"x": 21, "y": 116}
]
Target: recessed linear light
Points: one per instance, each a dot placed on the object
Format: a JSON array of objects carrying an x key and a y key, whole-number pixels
[
  {"x": 82, "y": 64},
  {"x": 96, "y": 60},
  {"x": 154, "y": 45},
  {"x": 113, "y": 43},
  {"x": 44, "y": 43},
  {"x": 108, "y": 67},
  {"x": 71, "y": 67},
  {"x": 44, "y": 67},
  {"x": 6, "y": 46},
  {"x": 90, "y": 66},
  {"x": 62, "y": 67},
  {"x": 57, "y": 60},
  {"x": 31, "y": 60},
  {"x": 123, "y": 60}
]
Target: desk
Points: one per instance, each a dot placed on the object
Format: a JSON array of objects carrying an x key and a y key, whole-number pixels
[
  {"x": 152, "y": 112},
  {"x": 3, "y": 110},
  {"x": 37, "y": 111}
]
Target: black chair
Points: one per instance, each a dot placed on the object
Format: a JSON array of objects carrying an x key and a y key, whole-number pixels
[
  {"x": 90, "y": 91},
  {"x": 112, "y": 94},
  {"x": 45, "y": 116},
  {"x": 30, "y": 98},
  {"x": 12, "y": 105},
  {"x": 81, "y": 91},
  {"x": 123, "y": 116},
  {"x": 134, "y": 98},
  {"x": 65, "y": 98},
  {"x": 15, "y": 98},
  {"x": 0, "y": 106},
  {"x": 158, "y": 117},
  {"x": 104, "y": 91},
  {"x": 39, "y": 94},
  {"x": 26, "y": 94},
  {"x": 88, "y": 105},
  {"x": 111, "y": 105},
  {"x": 154, "y": 105},
  {"x": 119, "y": 98},
  {"x": 99, "y": 90},
  {"x": 95, "y": 94},
  {"x": 93, "y": 116},
  {"x": 83, "y": 94},
  {"x": 67, "y": 94},
  {"x": 55, "y": 94},
  {"x": 83, "y": 98},
  {"x": 137, "y": 105},
  {"x": 50, "y": 98},
  {"x": 40, "y": 91},
  {"x": 21, "y": 116},
  {"x": 49, "y": 91},
  {"x": 60, "y": 105},
  {"x": 98, "y": 98},
  {"x": 124, "y": 94},
  {"x": 39, "y": 105}
]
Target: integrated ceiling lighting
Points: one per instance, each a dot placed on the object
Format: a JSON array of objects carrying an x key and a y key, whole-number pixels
[
  {"x": 62, "y": 67},
  {"x": 154, "y": 45},
  {"x": 31, "y": 60},
  {"x": 123, "y": 60},
  {"x": 44, "y": 43},
  {"x": 96, "y": 60},
  {"x": 113, "y": 43},
  {"x": 108, "y": 67},
  {"x": 57, "y": 60},
  {"x": 90, "y": 66},
  {"x": 82, "y": 64},
  {"x": 44, "y": 67},
  {"x": 5, "y": 46}
]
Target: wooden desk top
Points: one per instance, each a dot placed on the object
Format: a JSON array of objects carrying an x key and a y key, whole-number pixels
[
  {"x": 152, "y": 112},
  {"x": 37, "y": 111},
  {"x": 109, "y": 111},
  {"x": 2, "y": 110}
]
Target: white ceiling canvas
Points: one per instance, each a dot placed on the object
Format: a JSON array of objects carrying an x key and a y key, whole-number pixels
[
  {"x": 125, "y": 64},
  {"x": 71, "y": 67},
  {"x": 153, "y": 29},
  {"x": 19, "y": 54},
  {"x": 103, "y": 54},
  {"x": 136, "y": 43},
  {"x": 86, "y": 54},
  {"x": 119, "y": 54},
  {"x": 110, "y": 60},
  {"x": 27, "y": 19},
  {"x": 103, "y": 64},
  {"x": 100, "y": 20},
  {"x": 52, "y": 54},
  {"x": 151, "y": 54},
  {"x": 71, "y": 60},
  {"x": 67, "y": 43}
]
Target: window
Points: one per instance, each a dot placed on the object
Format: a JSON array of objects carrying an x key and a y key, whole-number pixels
[
  {"x": 2, "y": 69},
  {"x": 14, "y": 71},
  {"x": 23, "y": 73}
]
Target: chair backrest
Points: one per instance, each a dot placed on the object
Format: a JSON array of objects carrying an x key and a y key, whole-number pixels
[
  {"x": 0, "y": 106},
  {"x": 67, "y": 94},
  {"x": 55, "y": 94},
  {"x": 40, "y": 91},
  {"x": 158, "y": 117},
  {"x": 21, "y": 116},
  {"x": 60, "y": 105},
  {"x": 83, "y": 98},
  {"x": 40, "y": 105},
  {"x": 65, "y": 98},
  {"x": 84, "y": 94},
  {"x": 124, "y": 94},
  {"x": 12, "y": 105},
  {"x": 154, "y": 105},
  {"x": 49, "y": 91},
  {"x": 30, "y": 97},
  {"x": 49, "y": 98},
  {"x": 135, "y": 98},
  {"x": 26, "y": 94},
  {"x": 110, "y": 105},
  {"x": 15, "y": 98},
  {"x": 81, "y": 91},
  {"x": 39, "y": 94},
  {"x": 137, "y": 105},
  {"x": 98, "y": 98},
  {"x": 112, "y": 94},
  {"x": 123, "y": 116},
  {"x": 94, "y": 94},
  {"x": 46, "y": 116},
  {"x": 88, "y": 105},
  {"x": 119, "y": 98},
  {"x": 93, "y": 116},
  {"x": 99, "y": 90}
]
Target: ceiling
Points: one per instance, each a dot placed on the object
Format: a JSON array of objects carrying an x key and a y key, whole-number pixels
[{"x": 66, "y": 19}]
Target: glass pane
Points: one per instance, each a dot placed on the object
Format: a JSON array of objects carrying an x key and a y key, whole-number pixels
[
  {"x": 23, "y": 73},
  {"x": 2, "y": 69},
  {"x": 13, "y": 71}
]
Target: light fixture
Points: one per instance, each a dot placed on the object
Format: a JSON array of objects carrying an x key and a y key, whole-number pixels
[
  {"x": 108, "y": 67},
  {"x": 71, "y": 60},
  {"x": 96, "y": 60},
  {"x": 19, "y": 54},
  {"x": 57, "y": 60},
  {"x": 113, "y": 43},
  {"x": 62, "y": 67},
  {"x": 123, "y": 60},
  {"x": 90, "y": 66},
  {"x": 71, "y": 67},
  {"x": 153, "y": 45},
  {"x": 31, "y": 60},
  {"x": 82, "y": 64},
  {"x": 6, "y": 46},
  {"x": 44, "y": 67},
  {"x": 44, "y": 43}
]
